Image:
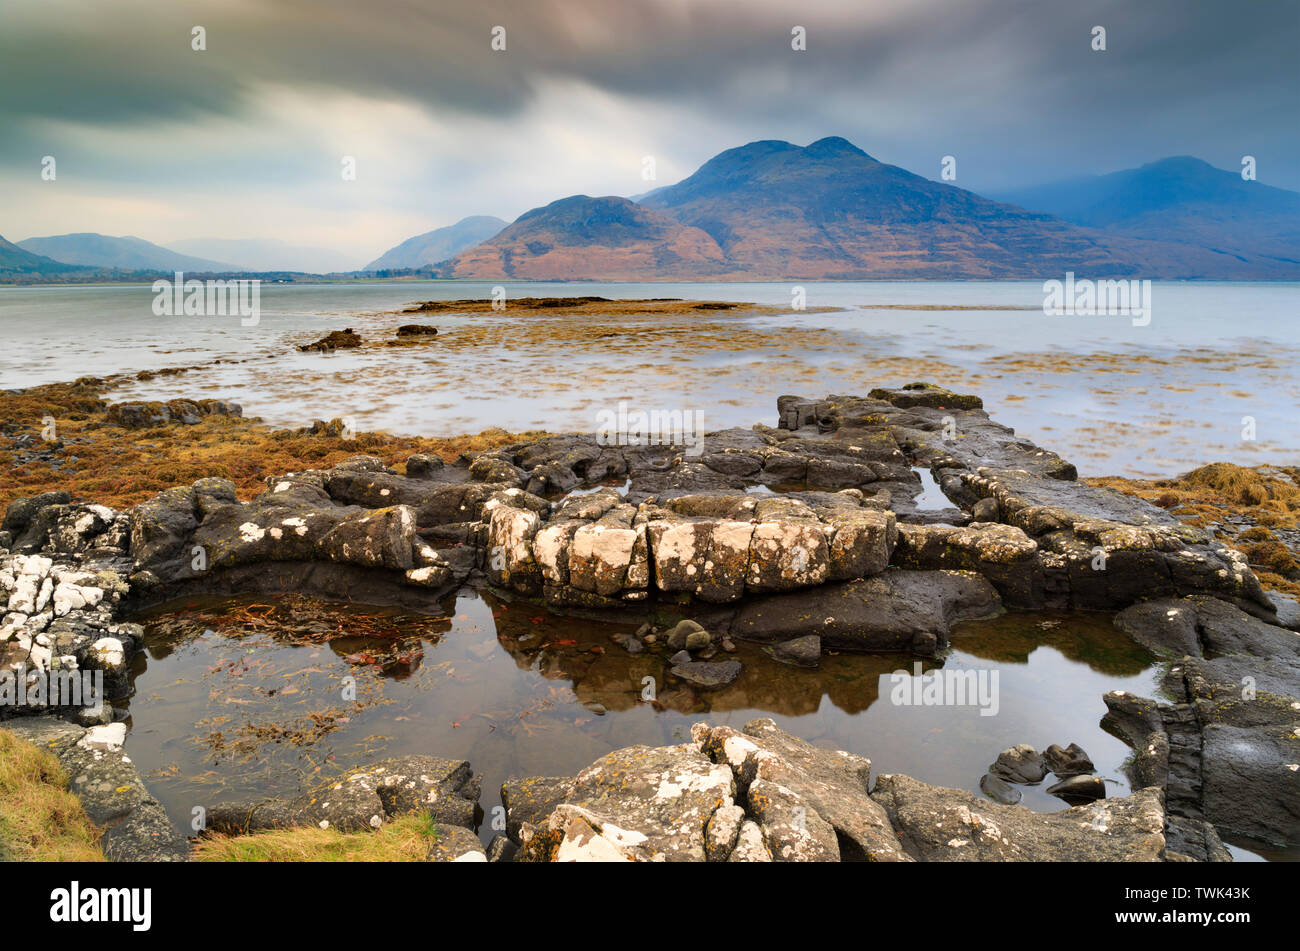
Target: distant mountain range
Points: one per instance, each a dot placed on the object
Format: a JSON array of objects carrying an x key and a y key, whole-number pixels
[
  {"x": 434, "y": 247},
  {"x": 771, "y": 210},
  {"x": 125, "y": 253},
  {"x": 1183, "y": 200}
]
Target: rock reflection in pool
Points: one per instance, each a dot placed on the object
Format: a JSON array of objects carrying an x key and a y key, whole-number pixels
[{"x": 247, "y": 697}]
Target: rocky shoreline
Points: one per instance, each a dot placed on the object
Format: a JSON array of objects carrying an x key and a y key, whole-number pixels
[{"x": 803, "y": 537}]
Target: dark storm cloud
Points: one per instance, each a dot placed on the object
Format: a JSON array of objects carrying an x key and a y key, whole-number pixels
[{"x": 917, "y": 78}]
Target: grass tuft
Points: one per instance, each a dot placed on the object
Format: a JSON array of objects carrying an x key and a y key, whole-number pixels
[
  {"x": 40, "y": 821},
  {"x": 405, "y": 839}
]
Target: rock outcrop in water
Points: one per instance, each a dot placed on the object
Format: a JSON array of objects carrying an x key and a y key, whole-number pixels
[{"x": 805, "y": 537}]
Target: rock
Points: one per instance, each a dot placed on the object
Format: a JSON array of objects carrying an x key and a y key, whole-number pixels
[
  {"x": 926, "y": 394},
  {"x": 761, "y": 795},
  {"x": 21, "y": 511},
  {"x": 334, "y": 340},
  {"x": 999, "y": 790},
  {"x": 182, "y": 412},
  {"x": 985, "y": 510},
  {"x": 637, "y": 804},
  {"x": 935, "y": 824},
  {"x": 532, "y": 800},
  {"x": 362, "y": 799},
  {"x": 698, "y": 640},
  {"x": 108, "y": 737},
  {"x": 803, "y": 651},
  {"x": 1079, "y": 789},
  {"x": 416, "y": 330},
  {"x": 421, "y": 466},
  {"x": 1019, "y": 764},
  {"x": 707, "y": 675},
  {"x": 1071, "y": 761},
  {"x": 750, "y": 846},
  {"x": 808, "y": 804},
  {"x": 628, "y": 642},
  {"x": 681, "y": 631},
  {"x": 456, "y": 844},
  {"x": 501, "y": 849},
  {"x": 895, "y": 611},
  {"x": 1003, "y": 554},
  {"x": 1200, "y": 625},
  {"x": 1288, "y": 609},
  {"x": 112, "y": 793},
  {"x": 681, "y": 657}
]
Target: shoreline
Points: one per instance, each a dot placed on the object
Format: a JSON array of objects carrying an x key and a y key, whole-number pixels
[{"x": 391, "y": 523}]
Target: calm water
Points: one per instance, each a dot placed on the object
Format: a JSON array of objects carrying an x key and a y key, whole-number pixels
[
  {"x": 1113, "y": 397},
  {"x": 238, "y": 698}
]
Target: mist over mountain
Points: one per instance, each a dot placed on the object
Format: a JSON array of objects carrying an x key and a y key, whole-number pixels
[
  {"x": 434, "y": 247},
  {"x": 267, "y": 254},
  {"x": 125, "y": 253},
  {"x": 1180, "y": 199}
]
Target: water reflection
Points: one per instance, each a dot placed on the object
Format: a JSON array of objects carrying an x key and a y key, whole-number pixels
[{"x": 238, "y": 698}]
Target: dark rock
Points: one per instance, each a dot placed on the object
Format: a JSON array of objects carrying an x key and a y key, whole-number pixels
[
  {"x": 334, "y": 340},
  {"x": 999, "y": 790},
  {"x": 23, "y": 510},
  {"x": 532, "y": 800},
  {"x": 803, "y": 651},
  {"x": 501, "y": 849},
  {"x": 895, "y": 611},
  {"x": 1071, "y": 761},
  {"x": 1079, "y": 789},
  {"x": 1019, "y": 764},
  {"x": 422, "y": 466}
]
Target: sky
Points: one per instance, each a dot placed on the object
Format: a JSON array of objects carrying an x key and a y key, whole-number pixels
[{"x": 248, "y": 138}]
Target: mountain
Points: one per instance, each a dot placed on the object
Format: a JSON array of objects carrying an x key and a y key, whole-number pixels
[
  {"x": 1181, "y": 199},
  {"x": 581, "y": 237},
  {"x": 254, "y": 254},
  {"x": 771, "y": 210},
  {"x": 15, "y": 260},
  {"x": 829, "y": 210},
  {"x": 126, "y": 253},
  {"x": 434, "y": 247}
]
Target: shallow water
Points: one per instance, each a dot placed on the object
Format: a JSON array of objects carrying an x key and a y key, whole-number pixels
[
  {"x": 1112, "y": 397},
  {"x": 241, "y": 698}
]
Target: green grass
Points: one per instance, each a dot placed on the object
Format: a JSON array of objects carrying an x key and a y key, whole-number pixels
[
  {"x": 406, "y": 839},
  {"x": 40, "y": 821}
]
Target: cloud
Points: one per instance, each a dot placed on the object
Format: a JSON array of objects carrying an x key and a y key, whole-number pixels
[{"x": 248, "y": 134}]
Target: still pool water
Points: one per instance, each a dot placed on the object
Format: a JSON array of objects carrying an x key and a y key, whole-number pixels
[{"x": 243, "y": 698}]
